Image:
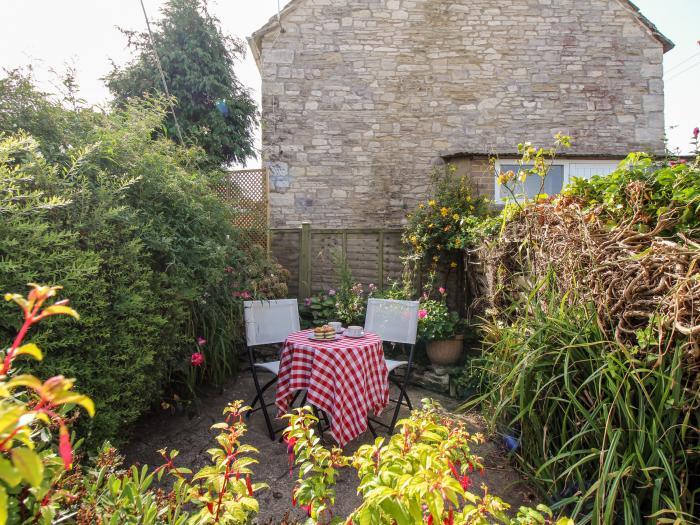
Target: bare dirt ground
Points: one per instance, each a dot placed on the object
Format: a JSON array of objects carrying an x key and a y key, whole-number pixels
[{"x": 192, "y": 437}]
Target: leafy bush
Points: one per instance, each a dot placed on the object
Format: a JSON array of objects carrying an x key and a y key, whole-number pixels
[
  {"x": 422, "y": 474},
  {"x": 454, "y": 219},
  {"x": 347, "y": 303},
  {"x": 39, "y": 482},
  {"x": 591, "y": 349},
  {"x": 435, "y": 321},
  {"x": 608, "y": 431},
  {"x": 660, "y": 190},
  {"x": 135, "y": 233}
]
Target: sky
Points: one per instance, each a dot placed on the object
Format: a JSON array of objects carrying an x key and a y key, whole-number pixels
[{"x": 50, "y": 34}]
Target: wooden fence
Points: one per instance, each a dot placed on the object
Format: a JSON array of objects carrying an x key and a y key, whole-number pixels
[
  {"x": 246, "y": 193},
  {"x": 374, "y": 256}
]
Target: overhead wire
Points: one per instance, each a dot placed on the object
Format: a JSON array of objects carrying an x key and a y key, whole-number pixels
[
  {"x": 697, "y": 64},
  {"x": 162, "y": 74},
  {"x": 682, "y": 62}
]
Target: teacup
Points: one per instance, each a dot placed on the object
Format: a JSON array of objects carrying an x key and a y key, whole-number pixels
[
  {"x": 353, "y": 331},
  {"x": 338, "y": 327}
]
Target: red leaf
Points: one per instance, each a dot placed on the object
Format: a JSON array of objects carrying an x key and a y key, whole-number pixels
[
  {"x": 249, "y": 484},
  {"x": 64, "y": 447}
]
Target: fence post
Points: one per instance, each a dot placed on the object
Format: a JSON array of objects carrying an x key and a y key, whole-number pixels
[
  {"x": 380, "y": 262},
  {"x": 305, "y": 260}
]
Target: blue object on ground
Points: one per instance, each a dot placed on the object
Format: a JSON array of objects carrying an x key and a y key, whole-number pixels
[{"x": 512, "y": 443}]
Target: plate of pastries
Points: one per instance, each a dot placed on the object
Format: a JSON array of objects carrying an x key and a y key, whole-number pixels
[{"x": 324, "y": 333}]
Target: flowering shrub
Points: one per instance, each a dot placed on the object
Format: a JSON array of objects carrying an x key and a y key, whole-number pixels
[
  {"x": 40, "y": 484},
  {"x": 29, "y": 409},
  {"x": 319, "y": 309},
  {"x": 454, "y": 219},
  {"x": 422, "y": 474},
  {"x": 435, "y": 321},
  {"x": 347, "y": 303}
]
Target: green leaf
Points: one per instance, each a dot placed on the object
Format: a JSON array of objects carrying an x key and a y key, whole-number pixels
[
  {"x": 3, "y": 505},
  {"x": 29, "y": 465},
  {"x": 8, "y": 473}
]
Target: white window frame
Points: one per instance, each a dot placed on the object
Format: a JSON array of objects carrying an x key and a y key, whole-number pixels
[{"x": 503, "y": 197}]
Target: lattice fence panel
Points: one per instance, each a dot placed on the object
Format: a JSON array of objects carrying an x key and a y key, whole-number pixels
[{"x": 246, "y": 193}]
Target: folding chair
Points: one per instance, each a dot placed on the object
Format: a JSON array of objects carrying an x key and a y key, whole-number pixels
[
  {"x": 395, "y": 322},
  {"x": 268, "y": 322}
]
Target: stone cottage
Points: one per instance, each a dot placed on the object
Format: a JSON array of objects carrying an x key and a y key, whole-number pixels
[{"x": 360, "y": 98}]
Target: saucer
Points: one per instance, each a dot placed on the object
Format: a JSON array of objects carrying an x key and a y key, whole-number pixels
[
  {"x": 314, "y": 338},
  {"x": 358, "y": 336}
]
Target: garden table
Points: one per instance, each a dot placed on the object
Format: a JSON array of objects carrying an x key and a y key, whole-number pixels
[{"x": 346, "y": 378}]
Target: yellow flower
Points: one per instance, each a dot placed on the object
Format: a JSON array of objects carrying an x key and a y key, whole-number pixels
[
  {"x": 413, "y": 239},
  {"x": 444, "y": 211},
  {"x": 431, "y": 203},
  {"x": 421, "y": 205},
  {"x": 456, "y": 216},
  {"x": 430, "y": 225},
  {"x": 436, "y": 258},
  {"x": 523, "y": 176},
  {"x": 505, "y": 178},
  {"x": 453, "y": 264}
]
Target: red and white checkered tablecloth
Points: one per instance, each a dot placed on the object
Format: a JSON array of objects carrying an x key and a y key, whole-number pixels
[{"x": 346, "y": 379}]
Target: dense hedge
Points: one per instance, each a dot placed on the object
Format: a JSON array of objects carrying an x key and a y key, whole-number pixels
[
  {"x": 135, "y": 235},
  {"x": 591, "y": 358}
]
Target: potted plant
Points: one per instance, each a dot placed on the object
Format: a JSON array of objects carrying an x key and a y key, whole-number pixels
[{"x": 438, "y": 327}]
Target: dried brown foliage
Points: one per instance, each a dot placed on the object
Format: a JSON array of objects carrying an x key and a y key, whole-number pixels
[{"x": 633, "y": 277}]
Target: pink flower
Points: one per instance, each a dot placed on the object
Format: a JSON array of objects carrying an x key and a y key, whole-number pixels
[
  {"x": 246, "y": 295},
  {"x": 441, "y": 290},
  {"x": 422, "y": 313},
  {"x": 307, "y": 301},
  {"x": 696, "y": 132},
  {"x": 197, "y": 359},
  {"x": 201, "y": 341},
  {"x": 331, "y": 292}
]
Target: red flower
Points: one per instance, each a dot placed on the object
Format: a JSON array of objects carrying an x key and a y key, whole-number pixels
[
  {"x": 422, "y": 313},
  {"x": 696, "y": 132},
  {"x": 64, "y": 447},
  {"x": 197, "y": 359}
]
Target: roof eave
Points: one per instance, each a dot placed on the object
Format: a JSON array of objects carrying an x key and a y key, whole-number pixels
[
  {"x": 666, "y": 42},
  {"x": 255, "y": 40}
]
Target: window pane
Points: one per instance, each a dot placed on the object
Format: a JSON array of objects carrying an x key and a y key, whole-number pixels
[{"x": 553, "y": 183}]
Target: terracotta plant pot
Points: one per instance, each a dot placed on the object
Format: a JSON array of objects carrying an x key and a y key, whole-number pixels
[{"x": 446, "y": 352}]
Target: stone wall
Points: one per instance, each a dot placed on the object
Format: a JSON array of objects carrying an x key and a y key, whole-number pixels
[{"x": 362, "y": 97}]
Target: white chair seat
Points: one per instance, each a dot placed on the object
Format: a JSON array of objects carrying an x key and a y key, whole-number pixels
[
  {"x": 272, "y": 366},
  {"x": 393, "y": 365}
]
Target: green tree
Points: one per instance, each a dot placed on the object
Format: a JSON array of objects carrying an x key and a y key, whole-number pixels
[{"x": 214, "y": 110}]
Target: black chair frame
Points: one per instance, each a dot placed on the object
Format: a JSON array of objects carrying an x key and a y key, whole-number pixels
[{"x": 403, "y": 398}]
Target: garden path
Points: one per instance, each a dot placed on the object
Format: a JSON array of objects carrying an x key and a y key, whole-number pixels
[{"x": 192, "y": 437}]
